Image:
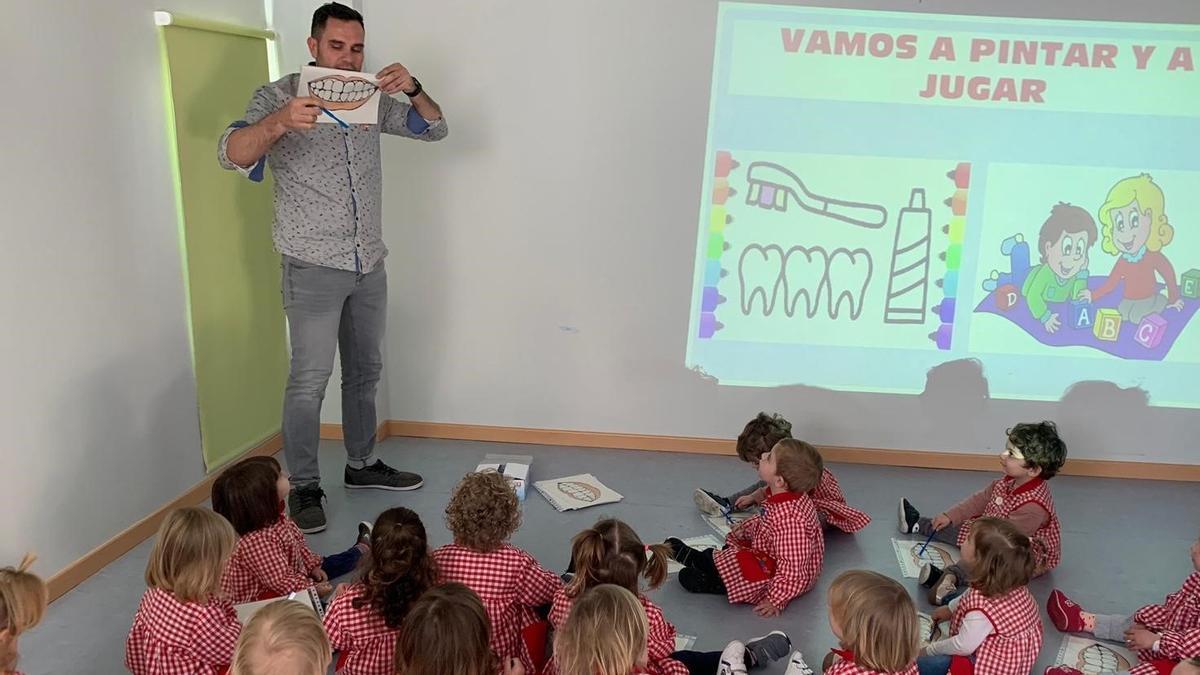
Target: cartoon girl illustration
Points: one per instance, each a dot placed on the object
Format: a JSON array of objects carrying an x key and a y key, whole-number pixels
[{"x": 1134, "y": 228}]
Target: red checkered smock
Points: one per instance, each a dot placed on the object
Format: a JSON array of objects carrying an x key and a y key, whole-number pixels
[
  {"x": 169, "y": 637},
  {"x": 1016, "y": 637},
  {"x": 776, "y": 555},
  {"x": 268, "y": 563},
  {"x": 367, "y": 645},
  {"x": 829, "y": 501},
  {"x": 1003, "y": 500}
]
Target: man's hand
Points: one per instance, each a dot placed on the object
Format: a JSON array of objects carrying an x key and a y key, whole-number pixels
[
  {"x": 941, "y": 522},
  {"x": 1139, "y": 638},
  {"x": 395, "y": 78},
  {"x": 765, "y": 608},
  {"x": 300, "y": 114},
  {"x": 1052, "y": 323}
]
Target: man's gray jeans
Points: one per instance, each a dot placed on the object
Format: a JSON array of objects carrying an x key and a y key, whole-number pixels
[{"x": 331, "y": 309}]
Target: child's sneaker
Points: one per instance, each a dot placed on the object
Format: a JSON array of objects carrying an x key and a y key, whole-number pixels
[
  {"x": 945, "y": 586},
  {"x": 1062, "y": 670},
  {"x": 711, "y": 503},
  {"x": 930, "y": 574},
  {"x": 733, "y": 659},
  {"x": 907, "y": 517},
  {"x": 797, "y": 666},
  {"x": 1065, "y": 614},
  {"x": 364, "y": 533},
  {"x": 767, "y": 648}
]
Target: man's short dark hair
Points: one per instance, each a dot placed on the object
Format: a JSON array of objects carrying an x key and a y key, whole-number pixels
[{"x": 333, "y": 10}]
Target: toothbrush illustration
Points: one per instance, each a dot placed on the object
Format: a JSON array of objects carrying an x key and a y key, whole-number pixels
[{"x": 771, "y": 185}]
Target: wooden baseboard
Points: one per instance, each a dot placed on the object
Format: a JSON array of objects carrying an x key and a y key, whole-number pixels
[
  {"x": 99, "y": 557},
  {"x": 718, "y": 446}
]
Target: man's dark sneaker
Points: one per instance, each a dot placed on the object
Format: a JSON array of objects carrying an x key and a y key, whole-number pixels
[
  {"x": 710, "y": 503},
  {"x": 380, "y": 476},
  {"x": 304, "y": 505},
  {"x": 908, "y": 517}
]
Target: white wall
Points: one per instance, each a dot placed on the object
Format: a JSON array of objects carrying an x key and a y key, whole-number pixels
[
  {"x": 542, "y": 256},
  {"x": 99, "y": 406}
]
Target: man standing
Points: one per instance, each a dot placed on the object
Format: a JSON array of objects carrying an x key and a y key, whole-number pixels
[{"x": 328, "y": 194}]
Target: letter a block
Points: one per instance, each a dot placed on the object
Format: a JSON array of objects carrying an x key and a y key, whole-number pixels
[
  {"x": 1007, "y": 296},
  {"x": 1082, "y": 314},
  {"x": 1108, "y": 325},
  {"x": 1150, "y": 331},
  {"x": 1191, "y": 284}
]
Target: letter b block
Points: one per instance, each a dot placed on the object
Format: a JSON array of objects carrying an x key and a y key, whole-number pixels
[
  {"x": 1191, "y": 284},
  {"x": 1107, "y": 325},
  {"x": 1007, "y": 296},
  {"x": 1150, "y": 331},
  {"x": 1082, "y": 313}
]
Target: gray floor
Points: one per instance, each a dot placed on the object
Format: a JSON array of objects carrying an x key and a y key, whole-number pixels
[{"x": 1125, "y": 542}]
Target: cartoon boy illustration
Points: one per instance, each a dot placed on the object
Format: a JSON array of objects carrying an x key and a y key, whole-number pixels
[
  {"x": 1134, "y": 227},
  {"x": 1063, "y": 244}
]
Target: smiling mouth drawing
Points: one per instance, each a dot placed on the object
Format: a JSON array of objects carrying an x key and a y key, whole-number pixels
[{"x": 342, "y": 93}]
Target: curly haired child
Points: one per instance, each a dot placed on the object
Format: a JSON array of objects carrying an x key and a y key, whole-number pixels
[{"x": 482, "y": 515}]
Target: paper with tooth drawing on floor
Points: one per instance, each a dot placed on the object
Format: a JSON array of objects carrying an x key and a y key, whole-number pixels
[
  {"x": 576, "y": 492},
  {"x": 308, "y": 597},
  {"x": 722, "y": 525},
  {"x": 700, "y": 543},
  {"x": 937, "y": 553},
  {"x": 1093, "y": 656},
  {"x": 351, "y": 96}
]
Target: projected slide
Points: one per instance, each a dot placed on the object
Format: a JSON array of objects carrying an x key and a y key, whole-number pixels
[{"x": 886, "y": 192}]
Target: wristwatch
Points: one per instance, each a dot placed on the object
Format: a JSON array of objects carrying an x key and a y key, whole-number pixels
[{"x": 417, "y": 91}]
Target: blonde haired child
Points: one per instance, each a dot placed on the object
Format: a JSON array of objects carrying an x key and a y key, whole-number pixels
[
  {"x": 996, "y": 622},
  {"x": 875, "y": 623},
  {"x": 1135, "y": 228},
  {"x": 283, "y": 638},
  {"x": 606, "y": 634},
  {"x": 482, "y": 514},
  {"x": 23, "y": 598},
  {"x": 182, "y": 624}
]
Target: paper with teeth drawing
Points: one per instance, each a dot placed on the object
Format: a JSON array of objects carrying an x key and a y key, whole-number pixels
[
  {"x": 350, "y": 96},
  {"x": 937, "y": 553},
  {"x": 576, "y": 492},
  {"x": 1091, "y": 656}
]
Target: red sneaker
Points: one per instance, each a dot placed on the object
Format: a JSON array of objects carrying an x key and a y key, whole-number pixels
[
  {"x": 1066, "y": 615},
  {"x": 1062, "y": 670}
]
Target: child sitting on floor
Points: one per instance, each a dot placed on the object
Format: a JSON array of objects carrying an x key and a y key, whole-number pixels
[
  {"x": 875, "y": 623},
  {"x": 272, "y": 558},
  {"x": 1033, "y": 455},
  {"x": 183, "y": 625},
  {"x": 606, "y": 634},
  {"x": 446, "y": 633},
  {"x": 1163, "y": 635},
  {"x": 482, "y": 514},
  {"x": 773, "y": 557},
  {"x": 758, "y": 437},
  {"x": 23, "y": 598},
  {"x": 995, "y": 624},
  {"x": 610, "y": 552},
  {"x": 364, "y": 620},
  {"x": 283, "y": 637}
]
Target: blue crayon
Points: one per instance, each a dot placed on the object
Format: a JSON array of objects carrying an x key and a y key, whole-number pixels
[{"x": 949, "y": 284}]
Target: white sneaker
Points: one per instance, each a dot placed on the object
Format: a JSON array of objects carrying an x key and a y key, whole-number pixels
[
  {"x": 797, "y": 666},
  {"x": 733, "y": 659}
]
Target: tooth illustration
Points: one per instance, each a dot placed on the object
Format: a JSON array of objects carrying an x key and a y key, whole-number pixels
[
  {"x": 338, "y": 92},
  {"x": 804, "y": 276},
  {"x": 760, "y": 269},
  {"x": 848, "y": 277}
]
